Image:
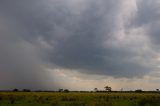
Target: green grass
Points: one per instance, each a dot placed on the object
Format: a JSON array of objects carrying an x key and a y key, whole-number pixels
[{"x": 78, "y": 99}]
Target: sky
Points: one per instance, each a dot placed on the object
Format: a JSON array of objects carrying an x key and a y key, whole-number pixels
[{"x": 79, "y": 44}]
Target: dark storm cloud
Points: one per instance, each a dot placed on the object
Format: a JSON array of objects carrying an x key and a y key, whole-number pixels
[
  {"x": 84, "y": 49},
  {"x": 36, "y": 35},
  {"x": 20, "y": 62},
  {"x": 148, "y": 15}
]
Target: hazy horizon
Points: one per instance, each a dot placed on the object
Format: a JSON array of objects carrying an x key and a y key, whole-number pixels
[{"x": 79, "y": 44}]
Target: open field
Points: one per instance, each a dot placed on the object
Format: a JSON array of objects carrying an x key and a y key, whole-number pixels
[{"x": 78, "y": 99}]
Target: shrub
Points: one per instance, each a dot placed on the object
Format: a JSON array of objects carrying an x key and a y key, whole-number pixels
[
  {"x": 26, "y": 90},
  {"x": 15, "y": 90},
  {"x": 138, "y": 90}
]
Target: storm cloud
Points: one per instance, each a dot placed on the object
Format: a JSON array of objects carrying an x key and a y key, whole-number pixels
[{"x": 117, "y": 38}]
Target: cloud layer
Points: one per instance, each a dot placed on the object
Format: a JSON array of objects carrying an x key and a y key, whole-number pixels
[{"x": 115, "y": 38}]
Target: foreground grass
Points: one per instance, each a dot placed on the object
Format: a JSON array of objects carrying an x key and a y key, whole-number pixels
[{"x": 78, "y": 99}]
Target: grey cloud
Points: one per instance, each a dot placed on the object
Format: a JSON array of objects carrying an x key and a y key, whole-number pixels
[
  {"x": 37, "y": 35},
  {"x": 147, "y": 12},
  {"x": 148, "y": 15},
  {"x": 18, "y": 65},
  {"x": 84, "y": 49}
]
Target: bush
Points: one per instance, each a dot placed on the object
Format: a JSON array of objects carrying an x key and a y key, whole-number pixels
[
  {"x": 66, "y": 90},
  {"x": 26, "y": 90},
  {"x": 138, "y": 90}
]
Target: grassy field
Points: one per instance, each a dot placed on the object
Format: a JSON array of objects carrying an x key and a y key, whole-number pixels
[{"x": 78, "y": 99}]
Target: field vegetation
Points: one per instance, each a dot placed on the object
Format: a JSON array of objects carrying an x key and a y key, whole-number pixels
[{"x": 78, "y": 99}]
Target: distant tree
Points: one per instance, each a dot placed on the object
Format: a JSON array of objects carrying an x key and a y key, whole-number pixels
[
  {"x": 15, "y": 90},
  {"x": 26, "y": 90},
  {"x": 60, "y": 90},
  {"x": 138, "y": 90},
  {"x": 95, "y": 89},
  {"x": 66, "y": 90},
  {"x": 157, "y": 89},
  {"x": 107, "y": 88}
]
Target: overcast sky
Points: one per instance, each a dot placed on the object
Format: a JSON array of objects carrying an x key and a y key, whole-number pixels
[{"x": 80, "y": 44}]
